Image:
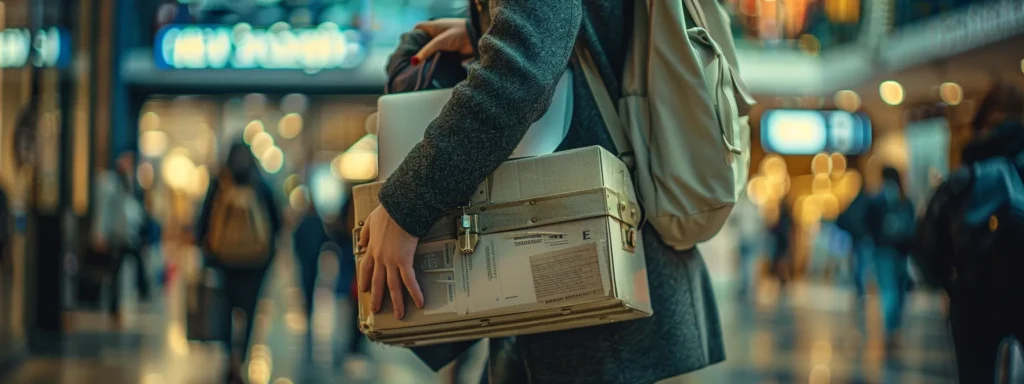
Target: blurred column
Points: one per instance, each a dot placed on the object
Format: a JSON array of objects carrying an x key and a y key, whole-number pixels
[{"x": 52, "y": 234}]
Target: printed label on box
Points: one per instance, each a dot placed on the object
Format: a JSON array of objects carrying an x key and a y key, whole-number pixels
[
  {"x": 567, "y": 274},
  {"x": 499, "y": 273}
]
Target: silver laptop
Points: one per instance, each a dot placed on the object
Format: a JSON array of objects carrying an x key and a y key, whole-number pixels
[{"x": 403, "y": 118}]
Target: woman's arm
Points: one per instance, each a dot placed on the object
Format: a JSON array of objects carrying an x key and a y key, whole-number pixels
[{"x": 522, "y": 57}]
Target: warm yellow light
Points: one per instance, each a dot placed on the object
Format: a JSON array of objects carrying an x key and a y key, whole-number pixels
[
  {"x": 821, "y": 183},
  {"x": 892, "y": 93},
  {"x": 251, "y": 130},
  {"x": 150, "y": 121},
  {"x": 951, "y": 93},
  {"x": 272, "y": 160},
  {"x": 773, "y": 165},
  {"x": 261, "y": 143},
  {"x": 146, "y": 175},
  {"x": 848, "y": 101},
  {"x": 153, "y": 143},
  {"x": 290, "y": 125},
  {"x": 357, "y": 166},
  {"x": 200, "y": 181},
  {"x": 821, "y": 164},
  {"x": 829, "y": 206},
  {"x": 299, "y": 198},
  {"x": 290, "y": 183},
  {"x": 365, "y": 143},
  {"x": 178, "y": 171},
  {"x": 838, "y": 163}
]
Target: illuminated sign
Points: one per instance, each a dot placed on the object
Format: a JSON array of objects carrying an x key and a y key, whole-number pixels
[
  {"x": 808, "y": 132},
  {"x": 242, "y": 47},
  {"x": 47, "y": 48}
]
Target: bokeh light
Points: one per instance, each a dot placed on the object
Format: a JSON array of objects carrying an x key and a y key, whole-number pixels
[
  {"x": 290, "y": 125},
  {"x": 252, "y": 129},
  {"x": 951, "y": 93},
  {"x": 892, "y": 93}
]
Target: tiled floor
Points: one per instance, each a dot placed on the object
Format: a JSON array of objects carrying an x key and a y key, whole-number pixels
[{"x": 807, "y": 334}]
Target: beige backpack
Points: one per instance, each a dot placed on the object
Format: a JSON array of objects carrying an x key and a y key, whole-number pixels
[
  {"x": 681, "y": 123},
  {"x": 239, "y": 234}
]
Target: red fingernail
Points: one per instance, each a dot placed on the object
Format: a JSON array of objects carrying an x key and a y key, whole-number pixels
[{"x": 415, "y": 60}]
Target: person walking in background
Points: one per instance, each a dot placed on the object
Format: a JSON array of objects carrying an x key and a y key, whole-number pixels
[
  {"x": 971, "y": 234},
  {"x": 237, "y": 230},
  {"x": 854, "y": 222},
  {"x": 308, "y": 240},
  {"x": 118, "y": 225},
  {"x": 892, "y": 220}
]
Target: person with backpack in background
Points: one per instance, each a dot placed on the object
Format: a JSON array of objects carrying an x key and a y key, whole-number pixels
[
  {"x": 892, "y": 221},
  {"x": 682, "y": 80},
  {"x": 237, "y": 231},
  {"x": 118, "y": 228},
  {"x": 971, "y": 235}
]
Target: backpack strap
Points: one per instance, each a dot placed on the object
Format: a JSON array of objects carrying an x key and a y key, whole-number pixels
[
  {"x": 604, "y": 102},
  {"x": 696, "y": 12}
]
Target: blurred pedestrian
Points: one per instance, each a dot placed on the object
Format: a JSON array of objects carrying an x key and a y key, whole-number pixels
[
  {"x": 972, "y": 233},
  {"x": 237, "y": 230},
  {"x": 892, "y": 220},
  {"x": 119, "y": 222}
]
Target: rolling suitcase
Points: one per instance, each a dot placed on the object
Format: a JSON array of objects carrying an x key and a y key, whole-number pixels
[
  {"x": 205, "y": 300},
  {"x": 548, "y": 243}
]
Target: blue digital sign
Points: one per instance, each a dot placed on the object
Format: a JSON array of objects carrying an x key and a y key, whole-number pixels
[
  {"x": 47, "y": 48},
  {"x": 241, "y": 46},
  {"x": 808, "y": 132}
]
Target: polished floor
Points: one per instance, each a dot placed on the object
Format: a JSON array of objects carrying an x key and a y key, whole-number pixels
[{"x": 806, "y": 333}]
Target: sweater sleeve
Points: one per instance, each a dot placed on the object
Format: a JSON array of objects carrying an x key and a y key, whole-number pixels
[{"x": 522, "y": 56}]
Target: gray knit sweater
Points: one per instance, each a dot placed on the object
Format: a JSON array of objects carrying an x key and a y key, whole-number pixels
[{"x": 521, "y": 57}]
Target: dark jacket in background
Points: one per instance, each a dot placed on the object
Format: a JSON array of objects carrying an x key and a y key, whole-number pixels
[
  {"x": 854, "y": 218},
  {"x": 520, "y": 60}
]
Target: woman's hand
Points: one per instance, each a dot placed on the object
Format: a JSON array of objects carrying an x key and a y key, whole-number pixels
[
  {"x": 447, "y": 35},
  {"x": 388, "y": 257}
]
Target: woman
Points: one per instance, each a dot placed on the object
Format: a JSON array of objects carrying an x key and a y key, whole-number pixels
[{"x": 519, "y": 60}]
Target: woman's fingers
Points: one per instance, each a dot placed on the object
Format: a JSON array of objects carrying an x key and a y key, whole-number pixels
[
  {"x": 364, "y": 235},
  {"x": 409, "y": 278},
  {"x": 366, "y": 264},
  {"x": 430, "y": 27},
  {"x": 435, "y": 45},
  {"x": 377, "y": 290},
  {"x": 395, "y": 287}
]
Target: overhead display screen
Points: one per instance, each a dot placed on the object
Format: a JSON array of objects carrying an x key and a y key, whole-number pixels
[{"x": 808, "y": 132}]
